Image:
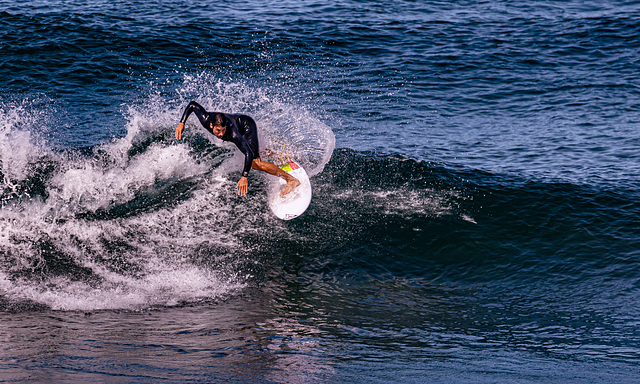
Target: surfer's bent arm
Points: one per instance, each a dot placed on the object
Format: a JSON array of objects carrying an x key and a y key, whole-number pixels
[
  {"x": 200, "y": 113},
  {"x": 245, "y": 148}
]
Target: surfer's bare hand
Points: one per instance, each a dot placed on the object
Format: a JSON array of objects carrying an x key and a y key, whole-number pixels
[
  {"x": 179, "y": 130},
  {"x": 243, "y": 186}
]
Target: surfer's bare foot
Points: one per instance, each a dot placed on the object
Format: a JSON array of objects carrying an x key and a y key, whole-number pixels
[{"x": 291, "y": 185}]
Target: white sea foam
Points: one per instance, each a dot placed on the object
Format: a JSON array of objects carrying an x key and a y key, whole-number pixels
[
  {"x": 135, "y": 261},
  {"x": 73, "y": 248},
  {"x": 415, "y": 202},
  {"x": 94, "y": 187},
  {"x": 19, "y": 147}
]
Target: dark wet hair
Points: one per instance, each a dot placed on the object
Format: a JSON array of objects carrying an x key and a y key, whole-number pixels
[{"x": 219, "y": 119}]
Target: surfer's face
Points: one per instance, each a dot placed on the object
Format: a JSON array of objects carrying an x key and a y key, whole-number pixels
[{"x": 218, "y": 130}]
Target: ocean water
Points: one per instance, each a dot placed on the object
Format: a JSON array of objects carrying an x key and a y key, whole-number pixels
[{"x": 475, "y": 167}]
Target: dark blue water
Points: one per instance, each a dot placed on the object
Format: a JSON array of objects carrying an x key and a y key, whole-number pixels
[{"x": 475, "y": 168}]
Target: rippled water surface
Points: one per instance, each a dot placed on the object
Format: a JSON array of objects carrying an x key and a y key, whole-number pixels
[{"x": 475, "y": 172}]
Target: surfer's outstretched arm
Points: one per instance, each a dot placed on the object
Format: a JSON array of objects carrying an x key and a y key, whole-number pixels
[{"x": 199, "y": 111}]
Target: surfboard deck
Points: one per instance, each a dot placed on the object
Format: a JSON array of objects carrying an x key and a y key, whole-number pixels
[{"x": 296, "y": 202}]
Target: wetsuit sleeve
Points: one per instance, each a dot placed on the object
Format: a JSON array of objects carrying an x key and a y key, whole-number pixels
[
  {"x": 244, "y": 147},
  {"x": 200, "y": 113}
]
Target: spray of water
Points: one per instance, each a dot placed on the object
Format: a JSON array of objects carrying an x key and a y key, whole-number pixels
[{"x": 142, "y": 220}]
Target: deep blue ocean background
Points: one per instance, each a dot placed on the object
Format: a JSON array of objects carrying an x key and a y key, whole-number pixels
[{"x": 476, "y": 207}]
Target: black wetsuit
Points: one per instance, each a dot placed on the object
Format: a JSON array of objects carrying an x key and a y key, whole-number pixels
[{"x": 241, "y": 130}]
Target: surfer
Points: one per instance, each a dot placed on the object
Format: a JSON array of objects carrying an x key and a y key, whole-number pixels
[{"x": 242, "y": 131}]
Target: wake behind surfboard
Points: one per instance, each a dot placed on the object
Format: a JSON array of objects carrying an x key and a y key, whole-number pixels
[{"x": 296, "y": 202}]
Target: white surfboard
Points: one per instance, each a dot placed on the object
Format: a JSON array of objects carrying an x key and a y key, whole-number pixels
[{"x": 294, "y": 203}]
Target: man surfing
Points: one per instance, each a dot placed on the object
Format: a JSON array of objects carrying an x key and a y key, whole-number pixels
[{"x": 242, "y": 131}]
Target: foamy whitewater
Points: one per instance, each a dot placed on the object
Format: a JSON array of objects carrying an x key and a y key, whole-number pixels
[{"x": 117, "y": 227}]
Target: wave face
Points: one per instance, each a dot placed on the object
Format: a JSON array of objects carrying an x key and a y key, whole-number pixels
[{"x": 144, "y": 222}]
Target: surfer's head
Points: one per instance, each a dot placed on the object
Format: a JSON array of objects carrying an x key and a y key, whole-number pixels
[{"x": 218, "y": 124}]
